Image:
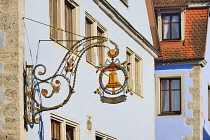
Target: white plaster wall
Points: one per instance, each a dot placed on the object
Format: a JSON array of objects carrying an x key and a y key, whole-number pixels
[
  {"x": 175, "y": 127},
  {"x": 205, "y": 83},
  {"x": 130, "y": 120},
  {"x": 136, "y": 14}
]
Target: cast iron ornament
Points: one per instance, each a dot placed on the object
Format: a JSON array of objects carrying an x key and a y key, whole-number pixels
[{"x": 67, "y": 71}]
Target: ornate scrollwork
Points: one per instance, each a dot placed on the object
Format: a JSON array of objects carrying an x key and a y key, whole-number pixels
[{"x": 66, "y": 71}]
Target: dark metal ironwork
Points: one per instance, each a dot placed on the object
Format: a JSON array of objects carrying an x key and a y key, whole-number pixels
[{"x": 68, "y": 71}]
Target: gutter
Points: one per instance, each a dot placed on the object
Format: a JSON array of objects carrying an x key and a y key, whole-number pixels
[{"x": 196, "y": 61}]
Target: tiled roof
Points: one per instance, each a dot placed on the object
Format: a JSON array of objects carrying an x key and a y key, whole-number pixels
[
  {"x": 193, "y": 45},
  {"x": 172, "y": 3}
]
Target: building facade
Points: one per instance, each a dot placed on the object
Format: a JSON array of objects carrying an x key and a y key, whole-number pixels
[
  {"x": 48, "y": 24},
  {"x": 11, "y": 73},
  {"x": 181, "y": 71}
]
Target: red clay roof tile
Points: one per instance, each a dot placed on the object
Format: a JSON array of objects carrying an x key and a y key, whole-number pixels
[{"x": 173, "y": 3}]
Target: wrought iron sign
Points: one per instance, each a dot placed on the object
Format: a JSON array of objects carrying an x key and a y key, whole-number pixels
[
  {"x": 113, "y": 92},
  {"x": 113, "y": 87}
]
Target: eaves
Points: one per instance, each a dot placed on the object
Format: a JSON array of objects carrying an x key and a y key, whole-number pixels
[
  {"x": 196, "y": 61},
  {"x": 127, "y": 27}
]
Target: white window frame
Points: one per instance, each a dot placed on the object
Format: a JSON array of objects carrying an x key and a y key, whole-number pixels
[
  {"x": 157, "y": 83},
  {"x": 94, "y": 26},
  {"x": 104, "y": 135},
  {"x": 132, "y": 72},
  {"x": 165, "y": 11},
  {"x": 66, "y": 121}
]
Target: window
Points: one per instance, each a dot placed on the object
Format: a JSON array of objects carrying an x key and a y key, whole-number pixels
[
  {"x": 69, "y": 132},
  {"x": 53, "y": 18},
  {"x": 170, "y": 95},
  {"x": 95, "y": 56},
  {"x": 100, "y": 50},
  {"x": 63, "y": 15},
  {"x": 171, "y": 26},
  {"x": 63, "y": 128},
  {"x": 55, "y": 130},
  {"x": 102, "y": 136},
  {"x": 88, "y": 28},
  {"x": 171, "y": 23},
  {"x": 69, "y": 24},
  {"x": 135, "y": 75}
]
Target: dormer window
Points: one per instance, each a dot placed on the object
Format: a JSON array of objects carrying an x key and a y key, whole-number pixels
[{"x": 171, "y": 26}]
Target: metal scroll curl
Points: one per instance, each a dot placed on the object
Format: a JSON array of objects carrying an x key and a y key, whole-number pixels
[{"x": 67, "y": 71}]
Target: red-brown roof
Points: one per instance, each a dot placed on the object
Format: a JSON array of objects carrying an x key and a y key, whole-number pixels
[
  {"x": 193, "y": 45},
  {"x": 175, "y": 3}
]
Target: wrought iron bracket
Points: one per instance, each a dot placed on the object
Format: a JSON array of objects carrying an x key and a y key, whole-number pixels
[{"x": 67, "y": 71}]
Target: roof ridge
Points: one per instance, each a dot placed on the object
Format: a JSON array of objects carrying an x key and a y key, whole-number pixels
[{"x": 175, "y": 3}]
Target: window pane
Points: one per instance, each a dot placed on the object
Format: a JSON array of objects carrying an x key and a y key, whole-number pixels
[
  {"x": 88, "y": 34},
  {"x": 165, "y": 105},
  {"x": 87, "y": 28},
  {"x": 175, "y": 19},
  {"x": 175, "y": 101},
  {"x": 175, "y": 31},
  {"x": 171, "y": 26},
  {"x": 175, "y": 84},
  {"x": 55, "y": 130},
  {"x": 166, "y": 19},
  {"x": 164, "y": 84},
  {"x": 166, "y": 31},
  {"x": 53, "y": 18},
  {"x": 68, "y": 26},
  {"x": 100, "y": 49},
  {"x": 69, "y": 133}
]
